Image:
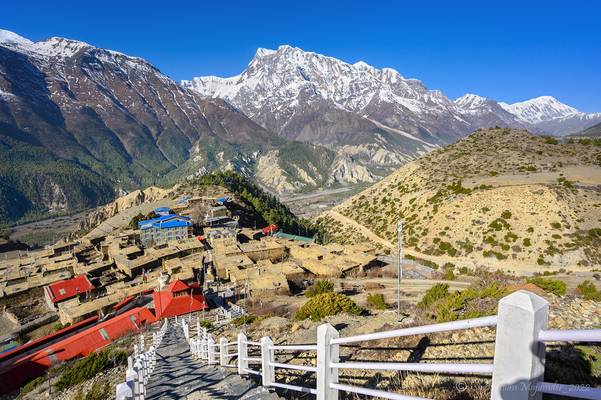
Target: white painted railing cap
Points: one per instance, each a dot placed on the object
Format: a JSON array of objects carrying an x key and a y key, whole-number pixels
[{"x": 525, "y": 300}]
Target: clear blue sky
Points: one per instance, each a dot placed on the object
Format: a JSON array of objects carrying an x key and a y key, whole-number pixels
[{"x": 507, "y": 50}]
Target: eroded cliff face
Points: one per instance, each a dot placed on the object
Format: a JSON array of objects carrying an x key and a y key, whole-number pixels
[{"x": 135, "y": 198}]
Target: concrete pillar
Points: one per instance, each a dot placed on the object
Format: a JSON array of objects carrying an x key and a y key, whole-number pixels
[
  {"x": 211, "y": 350},
  {"x": 131, "y": 375},
  {"x": 267, "y": 357},
  {"x": 242, "y": 354},
  {"x": 326, "y": 354},
  {"x": 142, "y": 388},
  {"x": 519, "y": 357},
  {"x": 223, "y": 357},
  {"x": 124, "y": 392}
]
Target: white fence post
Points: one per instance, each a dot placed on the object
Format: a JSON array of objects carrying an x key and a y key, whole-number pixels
[
  {"x": 211, "y": 350},
  {"x": 124, "y": 391},
  {"x": 131, "y": 375},
  {"x": 141, "y": 387},
  {"x": 267, "y": 370},
  {"x": 223, "y": 358},
  {"x": 326, "y": 354},
  {"x": 242, "y": 354},
  {"x": 519, "y": 360}
]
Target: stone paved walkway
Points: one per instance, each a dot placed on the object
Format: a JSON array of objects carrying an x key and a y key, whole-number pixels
[{"x": 178, "y": 376}]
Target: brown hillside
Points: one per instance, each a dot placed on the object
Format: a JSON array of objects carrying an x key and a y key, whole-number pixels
[{"x": 499, "y": 196}]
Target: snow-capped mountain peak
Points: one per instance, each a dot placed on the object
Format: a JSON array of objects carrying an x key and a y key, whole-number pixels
[
  {"x": 471, "y": 101},
  {"x": 8, "y": 38},
  {"x": 543, "y": 108}
]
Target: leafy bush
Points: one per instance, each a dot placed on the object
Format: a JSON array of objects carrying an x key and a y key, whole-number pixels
[
  {"x": 554, "y": 286},
  {"x": 506, "y": 214},
  {"x": 319, "y": 287},
  {"x": 550, "y": 140},
  {"x": 376, "y": 301},
  {"x": 205, "y": 323},
  {"x": 448, "y": 275},
  {"x": 244, "y": 319},
  {"x": 470, "y": 303},
  {"x": 89, "y": 366},
  {"x": 589, "y": 291},
  {"x": 434, "y": 294},
  {"x": 322, "y": 305},
  {"x": 98, "y": 391},
  {"x": 32, "y": 385}
]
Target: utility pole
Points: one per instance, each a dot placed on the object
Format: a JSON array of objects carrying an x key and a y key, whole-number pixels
[{"x": 399, "y": 232}]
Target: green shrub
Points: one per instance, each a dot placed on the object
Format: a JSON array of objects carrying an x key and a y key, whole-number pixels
[
  {"x": 246, "y": 319},
  {"x": 435, "y": 293},
  {"x": 471, "y": 303},
  {"x": 205, "y": 323},
  {"x": 98, "y": 391},
  {"x": 555, "y": 225},
  {"x": 32, "y": 385},
  {"x": 589, "y": 291},
  {"x": 549, "y": 285},
  {"x": 448, "y": 275},
  {"x": 550, "y": 140},
  {"x": 58, "y": 326},
  {"x": 506, "y": 214},
  {"x": 325, "y": 304},
  {"x": 376, "y": 301},
  {"x": 89, "y": 366},
  {"x": 319, "y": 287},
  {"x": 527, "y": 242}
]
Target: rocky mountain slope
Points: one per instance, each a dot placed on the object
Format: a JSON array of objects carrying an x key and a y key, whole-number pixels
[
  {"x": 496, "y": 195},
  {"x": 289, "y": 91},
  {"x": 79, "y": 124},
  {"x": 593, "y": 131}
]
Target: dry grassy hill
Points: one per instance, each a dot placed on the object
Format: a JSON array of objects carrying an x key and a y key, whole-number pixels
[{"x": 498, "y": 197}]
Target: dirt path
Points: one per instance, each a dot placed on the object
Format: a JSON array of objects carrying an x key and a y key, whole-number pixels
[{"x": 363, "y": 230}]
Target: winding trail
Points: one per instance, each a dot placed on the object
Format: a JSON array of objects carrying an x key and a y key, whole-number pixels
[{"x": 360, "y": 228}]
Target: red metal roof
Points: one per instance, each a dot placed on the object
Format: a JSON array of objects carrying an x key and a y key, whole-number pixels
[
  {"x": 123, "y": 302},
  {"x": 168, "y": 305},
  {"x": 177, "y": 286},
  {"x": 68, "y": 288},
  {"x": 17, "y": 372}
]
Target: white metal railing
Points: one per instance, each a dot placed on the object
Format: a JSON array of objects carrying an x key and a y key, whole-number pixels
[
  {"x": 140, "y": 366},
  {"x": 517, "y": 369}
]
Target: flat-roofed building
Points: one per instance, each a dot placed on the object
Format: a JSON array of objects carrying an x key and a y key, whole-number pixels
[{"x": 164, "y": 229}]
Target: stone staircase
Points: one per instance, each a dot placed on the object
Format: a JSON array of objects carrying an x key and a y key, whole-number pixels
[{"x": 178, "y": 376}]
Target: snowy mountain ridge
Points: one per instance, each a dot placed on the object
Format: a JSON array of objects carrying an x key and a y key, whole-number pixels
[{"x": 285, "y": 80}]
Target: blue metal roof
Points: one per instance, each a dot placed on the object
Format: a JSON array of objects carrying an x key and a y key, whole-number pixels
[{"x": 165, "y": 221}]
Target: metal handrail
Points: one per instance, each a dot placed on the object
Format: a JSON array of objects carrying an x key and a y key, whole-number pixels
[
  {"x": 572, "y": 335},
  {"x": 476, "y": 369},
  {"x": 418, "y": 330},
  {"x": 374, "y": 393},
  {"x": 252, "y": 371},
  {"x": 294, "y": 347}
]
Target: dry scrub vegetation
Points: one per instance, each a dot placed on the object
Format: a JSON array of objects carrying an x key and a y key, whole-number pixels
[{"x": 496, "y": 195}]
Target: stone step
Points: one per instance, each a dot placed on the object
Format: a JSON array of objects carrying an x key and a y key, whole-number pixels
[{"x": 178, "y": 376}]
